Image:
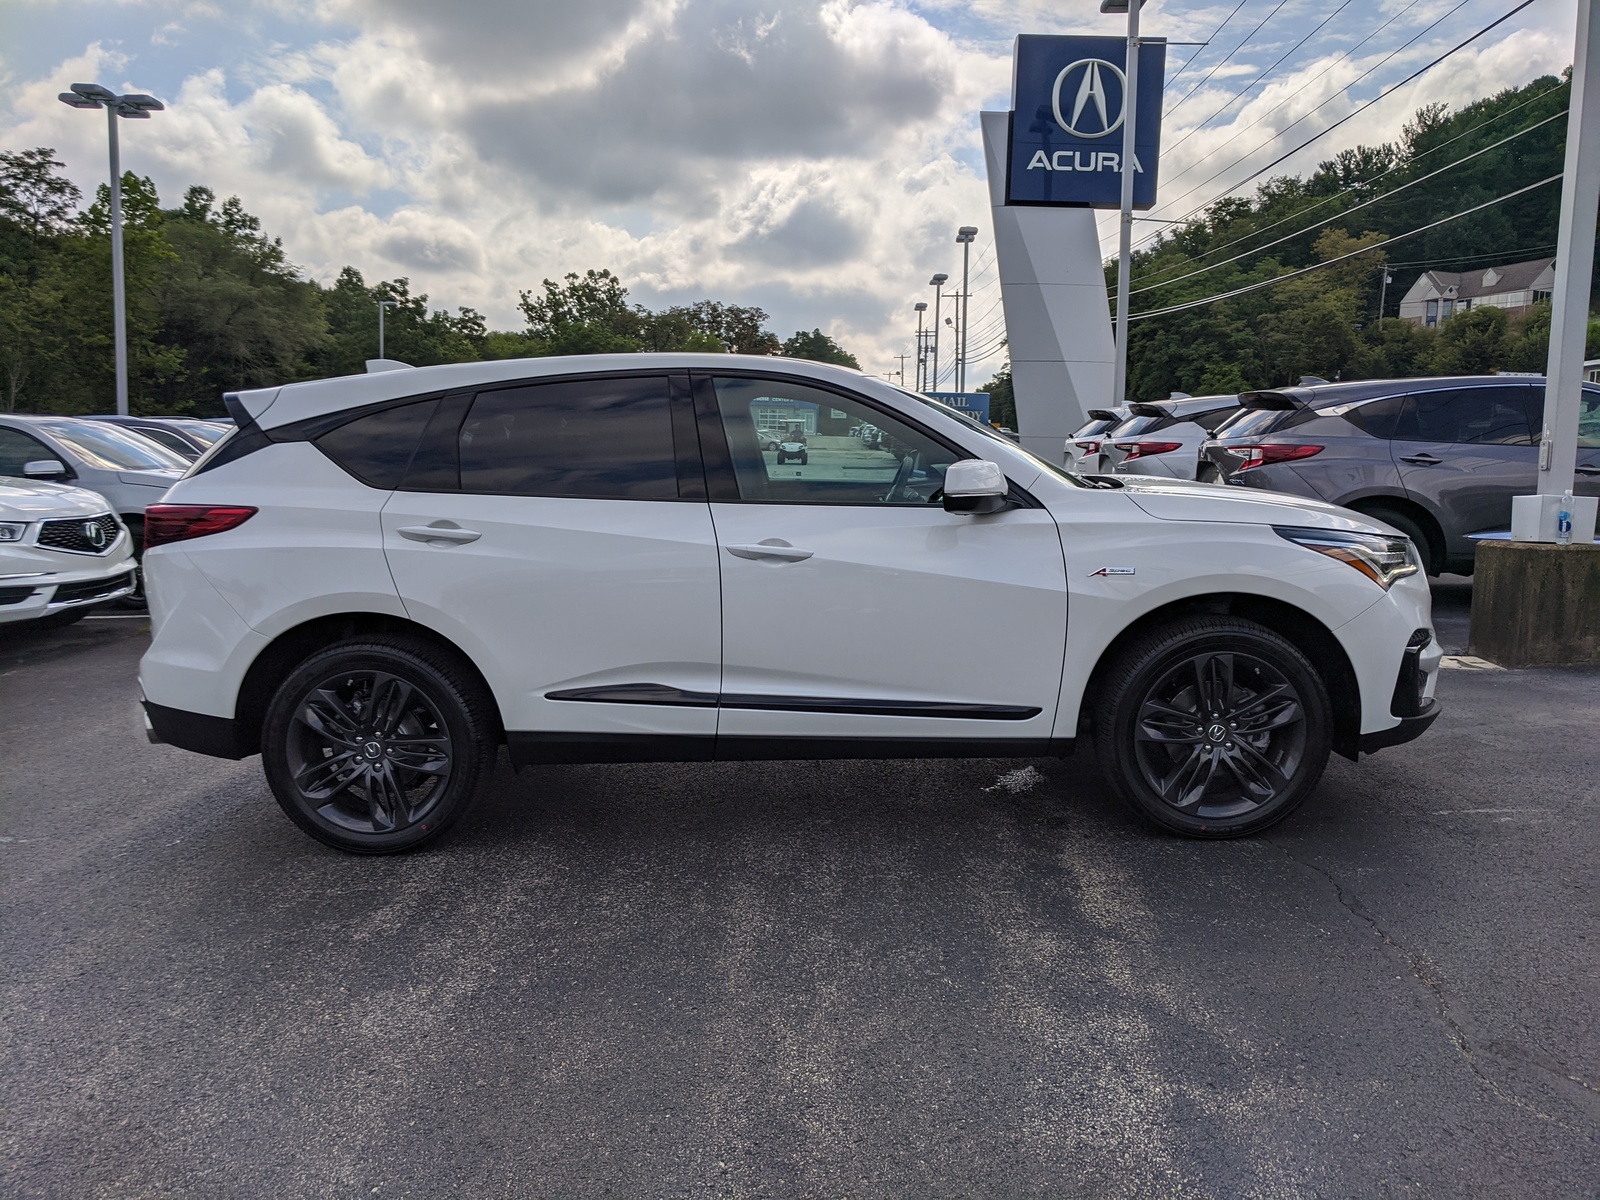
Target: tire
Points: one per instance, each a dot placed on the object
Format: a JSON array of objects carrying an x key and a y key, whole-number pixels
[
  {"x": 378, "y": 746},
  {"x": 1180, "y": 763},
  {"x": 1412, "y": 529},
  {"x": 804, "y": 459}
]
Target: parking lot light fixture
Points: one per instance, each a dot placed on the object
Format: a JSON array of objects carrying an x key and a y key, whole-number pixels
[
  {"x": 136, "y": 106},
  {"x": 383, "y": 304},
  {"x": 964, "y": 237},
  {"x": 921, "y": 308},
  {"x": 937, "y": 284}
]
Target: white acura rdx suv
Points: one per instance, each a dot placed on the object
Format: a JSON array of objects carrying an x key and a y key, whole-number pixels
[{"x": 376, "y": 580}]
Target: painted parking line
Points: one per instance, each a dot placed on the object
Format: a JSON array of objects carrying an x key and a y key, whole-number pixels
[{"x": 1466, "y": 662}]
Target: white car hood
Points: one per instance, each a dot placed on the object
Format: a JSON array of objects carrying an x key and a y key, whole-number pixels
[
  {"x": 35, "y": 500},
  {"x": 163, "y": 477},
  {"x": 1182, "y": 500}
]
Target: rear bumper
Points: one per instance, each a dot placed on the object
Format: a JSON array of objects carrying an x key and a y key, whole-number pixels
[{"x": 216, "y": 736}]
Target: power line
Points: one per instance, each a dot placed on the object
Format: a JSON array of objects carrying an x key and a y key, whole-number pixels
[
  {"x": 1223, "y": 60},
  {"x": 1498, "y": 255},
  {"x": 1253, "y": 287},
  {"x": 1205, "y": 44},
  {"x": 1400, "y": 166},
  {"x": 1197, "y": 128},
  {"x": 1351, "y": 115},
  {"x": 1289, "y": 237}
]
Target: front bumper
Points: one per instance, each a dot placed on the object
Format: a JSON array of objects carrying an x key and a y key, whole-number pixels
[
  {"x": 1409, "y": 730},
  {"x": 27, "y": 598}
]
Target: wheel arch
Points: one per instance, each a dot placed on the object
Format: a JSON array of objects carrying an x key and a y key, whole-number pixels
[
  {"x": 293, "y": 646},
  {"x": 1376, "y": 505},
  {"x": 1302, "y": 630}
]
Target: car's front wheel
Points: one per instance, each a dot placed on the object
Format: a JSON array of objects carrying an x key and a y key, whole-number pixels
[
  {"x": 1213, "y": 727},
  {"x": 377, "y": 746}
]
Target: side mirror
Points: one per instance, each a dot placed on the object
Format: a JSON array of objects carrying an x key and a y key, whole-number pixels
[
  {"x": 975, "y": 487},
  {"x": 45, "y": 468}
]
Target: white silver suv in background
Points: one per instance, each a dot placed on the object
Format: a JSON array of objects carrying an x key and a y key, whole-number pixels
[
  {"x": 62, "y": 552},
  {"x": 376, "y": 580},
  {"x": 1164, "y": 437}
]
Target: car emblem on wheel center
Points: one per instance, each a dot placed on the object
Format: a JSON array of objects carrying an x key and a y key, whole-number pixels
[
  {"x": 94, "y": 533},
  {"x": 372, "y": 750}
]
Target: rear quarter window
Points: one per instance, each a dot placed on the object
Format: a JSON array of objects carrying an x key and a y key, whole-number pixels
[
  {"x": 377, "y": 448},
  {"x": 1379, "y": 418}
]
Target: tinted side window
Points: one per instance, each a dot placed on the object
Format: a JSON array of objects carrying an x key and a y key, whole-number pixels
[
  {"x": 1588, "y": 416},
  {"x": 1380, "y": 418},
  {"x": 600, "y": 439},
  {"x": 377, "y": 448},
  {"x": 1477, "y": 415},
  {"x": 18, "y": 449}
]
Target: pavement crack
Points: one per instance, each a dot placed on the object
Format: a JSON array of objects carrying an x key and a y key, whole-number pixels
[{"x": 1417, "y": 964}]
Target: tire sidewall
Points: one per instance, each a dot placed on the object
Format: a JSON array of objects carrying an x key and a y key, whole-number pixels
[
  {"x": 1121, "y": 764},
  {"x": 468, "y": 756}
]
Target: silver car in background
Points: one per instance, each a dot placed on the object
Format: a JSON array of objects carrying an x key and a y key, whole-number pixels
[{"x": 1163, "y": 438}]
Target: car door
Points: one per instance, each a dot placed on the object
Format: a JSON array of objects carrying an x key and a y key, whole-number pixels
[
  {"x": 856, "y": 611},
  {"x": 558, "y": 531},
  {"x": 1463, "y": 453}
]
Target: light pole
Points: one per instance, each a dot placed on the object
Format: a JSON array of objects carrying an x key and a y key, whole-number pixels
[
  {"x": 1130, "y": 110},
  {"x": 383, "y": 304},
  {"x": 1383, "y": 296},
  {"x": 964, "y": 237},
  {"x": 137, "y": 106},
  {"x": 921, "y": 307},
  {"x": 937, "y": 283}
]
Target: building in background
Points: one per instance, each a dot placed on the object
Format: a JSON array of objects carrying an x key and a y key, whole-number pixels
[{"x": 1437, "y": 296}]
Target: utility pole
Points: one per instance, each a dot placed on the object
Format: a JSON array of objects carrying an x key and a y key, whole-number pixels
[
  {"x": 383, "y": 304},
  {"x": 1383, "y": 296},
  {"x": 921, "y": 307},
  {"x": 964, "y": 237},
  {"x": 937, "y": 283},
  {"x": 902, "y": 371},
  {"x": 1130, "y": 111}
]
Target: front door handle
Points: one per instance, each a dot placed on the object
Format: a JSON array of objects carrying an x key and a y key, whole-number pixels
[
  {"x": 1421, "y": 460},
  {"x": 439, "y": 533},
  {"x": 772, "y": 548}
]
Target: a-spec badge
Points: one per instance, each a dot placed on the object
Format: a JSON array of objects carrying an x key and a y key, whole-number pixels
[{"x": 1112, "y": 571}]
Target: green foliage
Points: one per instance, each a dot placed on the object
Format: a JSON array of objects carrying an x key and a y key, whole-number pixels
[
  {"x": 817, "y": 346},
  {"x": 1327, "y": 322},
  {"x": 1002, "y": 400}
]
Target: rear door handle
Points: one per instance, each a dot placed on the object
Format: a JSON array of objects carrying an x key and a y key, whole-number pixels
[
  {"x": 1421, "y": 460},
  {"x": 1587, "y": 470},
  {"x": 439, "y": 533},
  {"x": 769, "y": 549}
]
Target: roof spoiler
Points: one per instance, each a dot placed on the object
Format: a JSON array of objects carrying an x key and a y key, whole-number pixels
[
  {"x": 1103, "y": 414},
  {"x": 1145, "y": 409},
  {"x": 1275, "y": 401}
]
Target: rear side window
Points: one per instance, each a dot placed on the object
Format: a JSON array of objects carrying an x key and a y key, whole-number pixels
[
  {"x": 377, "y": 448},
  {"x": 598, "y": 439},
  {"x": 1588, "y": 415},
  {"x": 1484, "y": 416},
  {"x": 1380, "y": 418}
]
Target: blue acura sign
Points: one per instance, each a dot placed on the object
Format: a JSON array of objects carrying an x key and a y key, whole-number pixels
[{"x": 1069, "y": 101}]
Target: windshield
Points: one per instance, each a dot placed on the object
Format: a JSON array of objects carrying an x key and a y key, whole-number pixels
[{"x": 110, "y": 449}]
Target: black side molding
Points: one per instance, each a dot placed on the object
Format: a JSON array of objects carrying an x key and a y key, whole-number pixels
[
  {"x": 1409, "y": 729},
  {"x": 661, "y": 693},
  {"x": 528, "y": 749},
  {"x": 216, "y": 736}
]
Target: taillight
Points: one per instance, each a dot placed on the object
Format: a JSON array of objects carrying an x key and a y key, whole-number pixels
[
  {"x": 165, "y": 523},
  {"x": 1261, "y": 456},
  {"x": 1146, "y": 449},
  {"x": 1089, "y": 447}
]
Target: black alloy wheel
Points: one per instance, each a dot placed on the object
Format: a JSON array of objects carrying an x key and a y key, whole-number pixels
[
  {"x": 377, "y": 747},
  {"x": 1213, "y": 727}
]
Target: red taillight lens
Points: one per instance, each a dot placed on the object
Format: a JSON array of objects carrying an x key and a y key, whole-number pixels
[
  {"x": 1089, "y": 447},
  {"x": 1260, "y": 456},
  {"x": 165, "y": 523},
  {"x": 1146, "y": 449}
]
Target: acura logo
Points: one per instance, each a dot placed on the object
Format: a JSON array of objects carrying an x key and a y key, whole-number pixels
[
  {"x": 95, "y": 534},
  {"x": 1092, "y": 115}
]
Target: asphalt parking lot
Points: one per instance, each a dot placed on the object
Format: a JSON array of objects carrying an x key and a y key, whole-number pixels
[{"x": 837, "y": 979}]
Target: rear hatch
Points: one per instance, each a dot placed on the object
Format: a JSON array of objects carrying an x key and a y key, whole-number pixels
[
  {"x": 1145, "y": 419},
  {"x": 1260, "y": 414}
]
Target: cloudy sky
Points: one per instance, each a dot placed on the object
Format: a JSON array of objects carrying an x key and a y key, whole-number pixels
[{"x": 812, "y": 157}]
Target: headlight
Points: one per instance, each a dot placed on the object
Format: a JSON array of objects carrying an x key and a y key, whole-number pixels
[
  {"x": 12, "y": 531},
  {"x": 1381, "y": 557}
]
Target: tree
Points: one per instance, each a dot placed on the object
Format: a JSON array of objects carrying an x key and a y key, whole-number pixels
[
  {"x": 1002, "y": 399},
  {"x": 817, "y": 346}
]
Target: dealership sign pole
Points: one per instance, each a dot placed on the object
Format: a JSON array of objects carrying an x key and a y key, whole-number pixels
[
  {"x": 1119, "y": 384},
  {"x": 1536, "y": 518}
]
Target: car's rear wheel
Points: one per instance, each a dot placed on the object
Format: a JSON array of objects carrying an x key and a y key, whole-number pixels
[
  {"x": 378, "y": 746},
  {"x": 1213, "y": 727}
]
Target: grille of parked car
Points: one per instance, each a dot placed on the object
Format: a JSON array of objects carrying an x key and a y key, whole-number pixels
[
  {"x": 91, "y": 590},
  {"x": 80, "y": 535}
]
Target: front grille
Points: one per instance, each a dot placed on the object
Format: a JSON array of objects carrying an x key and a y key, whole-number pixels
[
  {"x": 91, "y": 590},
  {"x": 73, "y": 534}
]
